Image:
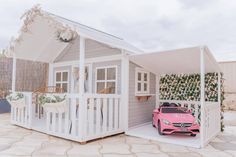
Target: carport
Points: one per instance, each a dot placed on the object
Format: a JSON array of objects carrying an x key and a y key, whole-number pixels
[{"x": 195, "y": 60}]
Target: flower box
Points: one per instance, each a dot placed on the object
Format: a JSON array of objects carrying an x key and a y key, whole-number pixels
[
  {"x": 20, "y": 103},
  {"x": 58, "y": 107}
]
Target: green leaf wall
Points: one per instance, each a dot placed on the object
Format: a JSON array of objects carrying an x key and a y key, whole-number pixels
[{"x": 187, "y": 87}]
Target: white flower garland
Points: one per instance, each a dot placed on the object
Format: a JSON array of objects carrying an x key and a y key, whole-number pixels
[{"x": 63, "y": 33}]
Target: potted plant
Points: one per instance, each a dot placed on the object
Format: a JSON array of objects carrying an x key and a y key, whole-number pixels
[
  {"x": 16, "y": 100},
  {"x": 53, "y": 103}
]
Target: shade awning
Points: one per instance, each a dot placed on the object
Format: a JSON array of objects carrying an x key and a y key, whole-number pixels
[{"x": 180, "y": 61}]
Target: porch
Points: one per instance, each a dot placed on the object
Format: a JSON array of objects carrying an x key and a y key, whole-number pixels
[{"x": 95, "y": 102}]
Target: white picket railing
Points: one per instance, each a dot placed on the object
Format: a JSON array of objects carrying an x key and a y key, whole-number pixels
[
  {"x": 64, "y": 123},
  {"x": 20, "y": 113},
  {"x": 103, "y": 114},
  {"x": 212, "y": 121},
  {"x": 102, "y": 117}
]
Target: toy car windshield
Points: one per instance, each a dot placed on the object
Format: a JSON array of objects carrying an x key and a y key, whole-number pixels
[
  {"x": 166, "y": 104},
  {"x": 174, "y": 110}
]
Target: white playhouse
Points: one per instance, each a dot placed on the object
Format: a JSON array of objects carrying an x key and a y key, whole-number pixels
[{"x": 95, "y": 75}]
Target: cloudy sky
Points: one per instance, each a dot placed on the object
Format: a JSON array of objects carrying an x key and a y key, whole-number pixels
[{"x": 151, "y": 25}]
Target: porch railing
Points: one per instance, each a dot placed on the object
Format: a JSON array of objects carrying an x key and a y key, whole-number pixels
[
  {"x": 103, "y": 114},
  {"x": 102, "y": 117},
  {"x": 212, "y": 121},
  {"x": 21, "y": 115}
]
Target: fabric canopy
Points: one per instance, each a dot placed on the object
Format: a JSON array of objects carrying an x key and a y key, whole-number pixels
[{"x": 180, "y": 61}]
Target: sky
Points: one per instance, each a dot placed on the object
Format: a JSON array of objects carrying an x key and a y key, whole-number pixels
[{"x": 150, "y": 25}]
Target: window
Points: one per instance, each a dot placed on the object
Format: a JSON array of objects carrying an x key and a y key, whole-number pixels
[
  {"x": 106, "y": 80},
  {"x": 141, "y": 81},
  {"x": 61, "y": 80}
]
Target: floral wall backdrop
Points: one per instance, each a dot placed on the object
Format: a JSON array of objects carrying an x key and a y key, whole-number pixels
[{"x": 187, "y": 87}]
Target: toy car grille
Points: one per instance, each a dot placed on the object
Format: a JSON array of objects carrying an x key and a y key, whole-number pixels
[{"x": 182, "y": 124}]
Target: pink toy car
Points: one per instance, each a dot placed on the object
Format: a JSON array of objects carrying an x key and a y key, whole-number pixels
[{"x": 174, "y": 119}]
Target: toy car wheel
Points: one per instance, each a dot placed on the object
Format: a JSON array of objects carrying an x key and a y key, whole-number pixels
[
  {"x": 153, "y": 124},
  {"x": 193, "y": 135},
  {"x": 159, "y": 129}
]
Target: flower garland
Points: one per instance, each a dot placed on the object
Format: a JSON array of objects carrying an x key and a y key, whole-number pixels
[{"x": 64, "y": 32}]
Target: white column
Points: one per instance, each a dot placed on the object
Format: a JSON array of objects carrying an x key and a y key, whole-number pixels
[
  {"x": 157, "y": 91},
  {"x": 50, "y": 74},
  {"x": 82, "y": 105},
  {"x": 202, "y": 98},
  {"x": 219, "y": 101},
  {"x": 13, "y": 87},
  {"x": 124, "y": 90},
  {"x": 81, "y": 65}
]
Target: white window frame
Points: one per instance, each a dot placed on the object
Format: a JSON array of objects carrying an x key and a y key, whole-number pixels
[
  {"x": 142, "y": 92},
  {"x": 106, "y": 81},
  {"x": 61, "y": 82}
]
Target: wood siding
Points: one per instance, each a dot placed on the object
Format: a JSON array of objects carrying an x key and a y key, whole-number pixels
[
  {"x": 140, "y": 112},
  {"x": 92, "y": 49}
]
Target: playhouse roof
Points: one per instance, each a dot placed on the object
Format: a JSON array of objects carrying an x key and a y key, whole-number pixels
[
  {"x": 39, "y": 42},
  {"x": 98, "y": 35},
  {"x": 177, "y": 61}
]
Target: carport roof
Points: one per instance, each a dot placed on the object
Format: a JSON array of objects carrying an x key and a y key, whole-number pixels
[{"x": 179, "y": 61}]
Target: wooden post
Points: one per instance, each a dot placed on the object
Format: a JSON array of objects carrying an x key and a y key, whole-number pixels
[
  {"x": 219, "y": 100},
  {"x": 82, "y": 105},
  {"x": 124, "y": 109},
  {"x": 13, "y": 88},
  {"x": 202, "y": 99}
]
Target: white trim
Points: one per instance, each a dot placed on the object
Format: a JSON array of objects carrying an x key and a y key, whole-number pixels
[
  {"x": 219, "y": 100},
  {"x": 82, "y": 114},
  {"x": 124, "y": 91},
  {"x": 106, "y": 81},
  {"x": 202, "y": 99},
  {"x": 89, "y": 60},
  {"x": 142, "y": 71},
  {"x": 90, "y": 77},
  {"x": 61, "y": 82}
]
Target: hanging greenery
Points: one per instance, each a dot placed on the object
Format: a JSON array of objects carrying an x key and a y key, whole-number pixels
[
  {"x": 187, "y": 87},
  {"x": 50, "y": 99},
  {"x": 15, "y": 96}
]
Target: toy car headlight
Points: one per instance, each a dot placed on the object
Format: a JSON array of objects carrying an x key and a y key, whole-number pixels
[
  {"x": 165, "y": 121},
  {"x": 195, "y": 122}
]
